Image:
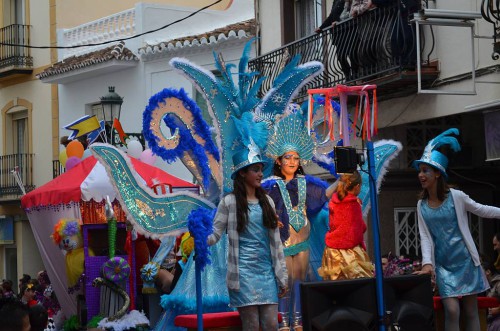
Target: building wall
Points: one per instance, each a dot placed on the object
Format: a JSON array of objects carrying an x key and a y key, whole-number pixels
[
  {"x": 90, "y": 10},
  {"x": 27, "y": 92}
]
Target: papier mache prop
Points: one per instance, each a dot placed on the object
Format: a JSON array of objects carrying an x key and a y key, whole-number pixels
[
  {"x": 68, "y": 236},
  {"x": 237, "y": 113}
]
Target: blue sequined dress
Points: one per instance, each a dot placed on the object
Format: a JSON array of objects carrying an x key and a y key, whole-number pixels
[
  {"x": 456, "y": 274},
  {"x": 257, "y": 281}
]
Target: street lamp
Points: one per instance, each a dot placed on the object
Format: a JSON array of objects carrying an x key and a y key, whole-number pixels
[{"x": 111, "y": 105}]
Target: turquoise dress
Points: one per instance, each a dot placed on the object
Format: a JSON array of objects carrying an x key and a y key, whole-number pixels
[
  {"x": 456, "y": 274},
  {"x": 257, "y": 281}
]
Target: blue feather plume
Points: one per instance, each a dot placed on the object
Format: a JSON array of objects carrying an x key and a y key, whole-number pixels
[
  {"x": 200, "y": 227},
  {"x": 445, "y": 139}
]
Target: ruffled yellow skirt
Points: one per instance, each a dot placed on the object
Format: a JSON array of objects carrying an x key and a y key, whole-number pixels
[{"x": 345, "y": 264}]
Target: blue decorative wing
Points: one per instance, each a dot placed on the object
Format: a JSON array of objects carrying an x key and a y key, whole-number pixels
[
  {"x": 385, "y": 151},
  {"x": 152, "y": 215}
]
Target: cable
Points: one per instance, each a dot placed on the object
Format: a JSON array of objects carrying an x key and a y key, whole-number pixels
[
  {"x": 472, "y": 180},
  {"x": 402, "y": 112},
  {"x": 115, "y": 40}
]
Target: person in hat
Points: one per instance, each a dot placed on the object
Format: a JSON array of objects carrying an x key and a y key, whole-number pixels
[
  {"x": 256, "y": 270},
  {"x": 345, "y": 254},
  {"x": 296, "y": 199},
  {"x": 448, "y": 250}
]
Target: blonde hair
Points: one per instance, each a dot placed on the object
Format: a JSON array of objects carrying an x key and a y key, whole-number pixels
[{"x": 346, "y": 183}]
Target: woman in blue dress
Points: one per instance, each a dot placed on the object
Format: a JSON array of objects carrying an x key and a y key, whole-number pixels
[
  {"x": 448, "y": 250},
  {"x": 256, "y": 271}
]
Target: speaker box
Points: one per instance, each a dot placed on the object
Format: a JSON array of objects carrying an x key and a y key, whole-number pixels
[
  {"x": 339, "y": 305},
  {"x": 346, "y": 159},
  {"x": 351, "y": 305},
  {"x": 409, "y": 297}
]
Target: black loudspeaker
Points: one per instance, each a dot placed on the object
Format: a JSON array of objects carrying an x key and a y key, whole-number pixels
[
  {"x": 351, "y": 305},
  {"x": 409, "y": 298},
  {"x": 346, "y": 159},
  {"x": 343, "y": 305}
]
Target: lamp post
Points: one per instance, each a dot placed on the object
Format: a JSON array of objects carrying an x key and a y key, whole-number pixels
[{"x": 111, "y": 105}]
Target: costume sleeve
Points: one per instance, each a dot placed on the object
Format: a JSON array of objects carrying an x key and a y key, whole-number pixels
[
  {"x": 337, "y": 7},
  {"x": 477, "y": 208},
  {"x": 425, "y": 239},
  {"x": 315, "y": 198},
  {"x": 220, "y": 223}
]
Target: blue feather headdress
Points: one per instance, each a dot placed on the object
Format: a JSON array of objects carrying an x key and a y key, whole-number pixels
[{"x": 433, "y": 157}]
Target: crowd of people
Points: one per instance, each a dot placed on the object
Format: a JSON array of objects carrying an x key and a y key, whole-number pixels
[{"x": 33, "y": 307}]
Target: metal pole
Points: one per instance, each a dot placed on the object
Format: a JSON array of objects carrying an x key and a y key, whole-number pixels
[
  {"x": 379, "y": 275},
  {"x": 199, "y": 297}
]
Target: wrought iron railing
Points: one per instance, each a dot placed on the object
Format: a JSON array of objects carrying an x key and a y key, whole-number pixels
[
  {"x": 57, "y": 168},
  {"x": 13, "y": 38},
  {"x": 373, "y": 44},
  {"x": 23, "y": 164}
]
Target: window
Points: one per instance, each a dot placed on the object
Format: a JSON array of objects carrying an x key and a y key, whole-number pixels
[
  {"x": 18, "y": 118},
  {"x": 13, "y": 12},
  {"x": 300, "y": 18},
  {"x": 406, "y": 232}
]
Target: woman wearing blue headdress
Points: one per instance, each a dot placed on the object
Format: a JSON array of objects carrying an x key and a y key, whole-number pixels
[
  {"x": 295, "y": 198},
  {"x": 448, "y": 250},
  {"x": 256, "y": 274}
]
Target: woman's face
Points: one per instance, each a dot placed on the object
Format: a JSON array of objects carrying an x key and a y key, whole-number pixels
[
  {"x": 29, "y": 294},
  {"x": 289, "y": 163},
  {"x": 253, "y": 174},
  {"x": 427, "y": 176}
]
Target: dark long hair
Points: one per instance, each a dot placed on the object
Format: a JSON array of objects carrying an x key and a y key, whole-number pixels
[
  {"x": 277, "y": 169},
  {"x": 269, "y": 218},
  {"x": 442, "y": 188}
]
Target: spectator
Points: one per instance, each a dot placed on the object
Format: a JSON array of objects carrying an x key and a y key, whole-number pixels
[
  {"x": 14, "y": 315},
  {"x": 38, "y": 317},
  {"x": 345, "y": 48},
  {"x": 27, "y": 294},
  {"x": 338, "y": 13},
  {"x": 494, "y": 279},
  {"x": 496, "y": 247},
  {"x": 23, "y": 281},
  {"x": 7, "y": 289}
]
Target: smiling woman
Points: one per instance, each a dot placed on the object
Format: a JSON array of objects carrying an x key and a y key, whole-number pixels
[
  {"x": 256, "y": 274},
  {"x": 295, "y": 199},
  {"x": 448, "y": 250}
]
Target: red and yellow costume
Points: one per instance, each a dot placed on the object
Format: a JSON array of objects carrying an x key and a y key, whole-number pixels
[{"x": 345, "y": 255}]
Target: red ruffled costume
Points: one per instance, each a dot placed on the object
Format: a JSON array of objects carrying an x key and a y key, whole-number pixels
[
  {"x": 346, "y": 223},
  {"x": 345, "y": 253}
]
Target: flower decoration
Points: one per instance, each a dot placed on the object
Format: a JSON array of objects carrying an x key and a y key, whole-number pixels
[
  {"x": 149, "y": 271},
  {"x": 398, "y": 266},
  {"x": 116, "y": 269}
]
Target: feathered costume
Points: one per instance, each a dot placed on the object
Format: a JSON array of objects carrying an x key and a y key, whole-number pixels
[{"x": 236, "y": 111}]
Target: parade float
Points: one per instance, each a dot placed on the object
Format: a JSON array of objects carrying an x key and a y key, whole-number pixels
[{"x": 206, "y": 148}]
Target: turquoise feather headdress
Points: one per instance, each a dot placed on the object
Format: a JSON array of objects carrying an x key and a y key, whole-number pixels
[
  {"x": 236, "y": 110},
  {"x": 290, "y": 134},
  {"x": 433, "y": 157}
]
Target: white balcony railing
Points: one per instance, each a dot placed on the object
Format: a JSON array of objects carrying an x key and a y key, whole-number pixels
[{"x": 112, "y": 27}]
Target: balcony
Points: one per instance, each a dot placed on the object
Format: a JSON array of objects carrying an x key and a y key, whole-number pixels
[
  {"x": 9, "y": 188},
  {"x": 116, "y": 26},
  {"x": 15, "y": 59},
  {"x": 378, "y": 47}
]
